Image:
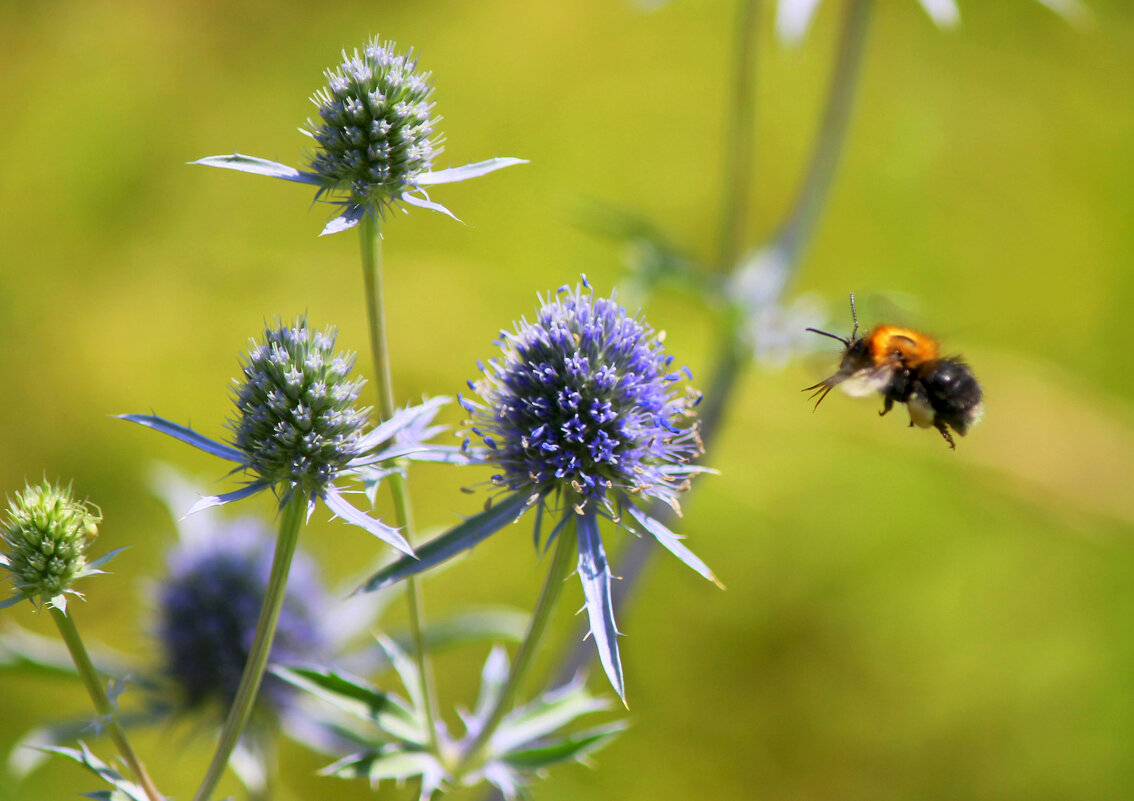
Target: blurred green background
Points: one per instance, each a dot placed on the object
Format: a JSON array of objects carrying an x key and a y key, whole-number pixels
[{"x": 901, "y": 621}]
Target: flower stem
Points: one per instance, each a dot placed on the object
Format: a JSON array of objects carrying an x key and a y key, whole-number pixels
[
  {"x": 797, "y": 229},
  {"x": 738, "y": 152},
  {"x": 557, "y": 573},
  {"x": 371, "y": 236},
  {"x": 794, "y": 234},
  {"x": 291, "y": 521},
  {"x": 103, "y": 707}
]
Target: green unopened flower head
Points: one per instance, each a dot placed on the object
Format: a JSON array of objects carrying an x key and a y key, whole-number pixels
[
  {"x": 45, "y": 537},
  {"x": 375, "y": 126}
]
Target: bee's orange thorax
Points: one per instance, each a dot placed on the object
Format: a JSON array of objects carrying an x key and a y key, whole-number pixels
[{"x": 889, "y": 343}]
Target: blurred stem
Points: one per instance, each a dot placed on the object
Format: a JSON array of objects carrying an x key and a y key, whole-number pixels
[
  {"x": 293, "y": 514},
  {"x": 794, "y": 234},
  {"x": 371, "y": 235},
  {"x": 557, "y": 573},
  {"x": 103, "y": 707},
  {"x": 799, "y": 226},
  {"x": 741, "y": 133}
]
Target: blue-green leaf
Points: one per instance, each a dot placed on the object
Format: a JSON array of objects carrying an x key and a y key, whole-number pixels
[
  {"x": 594, "y": 572},
  {"x": 460, "y": 538}
]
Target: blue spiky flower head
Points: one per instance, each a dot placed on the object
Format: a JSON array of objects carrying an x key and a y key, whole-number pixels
[
  {"x": 208, "y": 606},
  {"x": 375, "y": 126},
  {"x": 581, "y": 414},
  {"x": 296, "y": 419},
  {"x": 584, "y": 401},
  {"x": 45, "y": 535}
]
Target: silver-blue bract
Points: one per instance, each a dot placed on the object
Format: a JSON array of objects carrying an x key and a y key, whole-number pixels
[
  {"x": 375, "y": 139},
  {"x": 297, "y": 429},
  {"x": 582, "y": 415}
]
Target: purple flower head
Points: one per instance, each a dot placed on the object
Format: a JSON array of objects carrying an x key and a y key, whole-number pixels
[
  {"x": 581, "y": 414},
  {"x": 209, "y": 603},
  {"x": 584, "y": 401}
]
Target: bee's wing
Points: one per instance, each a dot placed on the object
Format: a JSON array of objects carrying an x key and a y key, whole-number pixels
[{"x": 867, "y": 381}]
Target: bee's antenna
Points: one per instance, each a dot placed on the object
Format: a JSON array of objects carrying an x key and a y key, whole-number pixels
[
  {"x": 846, "y": 342},
  {"x": 854, "y": 316}
]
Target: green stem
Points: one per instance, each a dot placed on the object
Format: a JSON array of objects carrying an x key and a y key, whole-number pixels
[
  {"x": 371, "y": 236},
  {"x": 795, "y": 232},
  {"x": 103, "y": 707},
  {"x": 291, "y": 521},
  {"x": 741, "y": 132},
  {"x": 557, "y": 573},
  {"x": 816, "y": 186}
]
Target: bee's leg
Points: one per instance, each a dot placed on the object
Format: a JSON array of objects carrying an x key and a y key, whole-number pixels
[
  {"x": 945, "y": 433},
  {"x": 887, "y": 405}
]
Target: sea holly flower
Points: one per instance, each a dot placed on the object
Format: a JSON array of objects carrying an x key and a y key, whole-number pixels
[
  {"x": 793, "y": 17},
  {"x": 208, "y": 604},
  {"x": 297, "y": 430},
  {"x": 45, "y": 536},
  {"x": 582, "y": 417},
  {"x": 375, "y": 139}
]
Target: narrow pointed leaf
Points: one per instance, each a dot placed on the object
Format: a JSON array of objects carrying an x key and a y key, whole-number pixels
[
  {"x": 401, "y": 419},
  {"x": 460, "y": 538},
  {"x": 186, "y": 435},
  {"x": 467, "y": 171},
  {"x": 425, "y": 203},
  {"x": 96, "y": 766},
  {"x": 102, "y": 560},
  {"x": 258, "y": 166},
  {"x": 573, "y": 747},
  {"x": 544, "y": 716},
  {"x": 358, "y": 698},
  {"x": 594, "y": 572},
  {"x": 13, "y": 600},
  {"x": 342, "y": 508},
  {"x": 212, "y": 501},
  {"x": 672, "y": 542},
  {"x": 344, "y": 222}
]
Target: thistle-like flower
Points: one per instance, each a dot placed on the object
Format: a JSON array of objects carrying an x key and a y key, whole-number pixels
[
  {"x": 375, "y": 139},
  {"x": 582, "y": 417},
  {"x": 208, "y": 605},
  {"x": 297, "y": 429},
  {"x": 45, "y": 537}
]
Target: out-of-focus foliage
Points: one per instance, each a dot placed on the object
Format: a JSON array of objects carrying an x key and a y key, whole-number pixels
[{"x": 902, "y": 622}]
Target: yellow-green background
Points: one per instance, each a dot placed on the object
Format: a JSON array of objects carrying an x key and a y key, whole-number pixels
[{"x": 901, "y": 621}]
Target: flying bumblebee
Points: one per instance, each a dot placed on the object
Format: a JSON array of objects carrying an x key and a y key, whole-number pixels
[{"x": 905, "y": 367}]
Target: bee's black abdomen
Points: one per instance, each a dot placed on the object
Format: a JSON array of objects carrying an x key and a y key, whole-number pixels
[{"x": 954, "y": 394}]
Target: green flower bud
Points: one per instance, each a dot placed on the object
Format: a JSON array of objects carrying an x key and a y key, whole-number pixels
[{"x": 45, "y": 539}]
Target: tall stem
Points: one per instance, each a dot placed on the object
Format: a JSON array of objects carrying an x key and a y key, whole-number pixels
[
  {"x": 292, "y": 517},
  {"x": 557, "y": 573},
  {"x": 797, "y": 229},
  {"x": 741, "y": 132},
  {"x": 103, "y": 707},
  {"x": 794, "y": 234},
  {"x": 371, "y": 236}
]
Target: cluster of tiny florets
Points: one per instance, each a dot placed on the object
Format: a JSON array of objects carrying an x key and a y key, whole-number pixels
[
  {"x": 297, "y": 422},
  {"x": 375, "y": 126},
  {"x": 583, "y": 399},
  {"x": 45, "y": 537},
  {"x": 208, "y": 607}
]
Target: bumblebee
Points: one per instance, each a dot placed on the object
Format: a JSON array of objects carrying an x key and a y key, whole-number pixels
[{"x": 905, "y": 367}]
